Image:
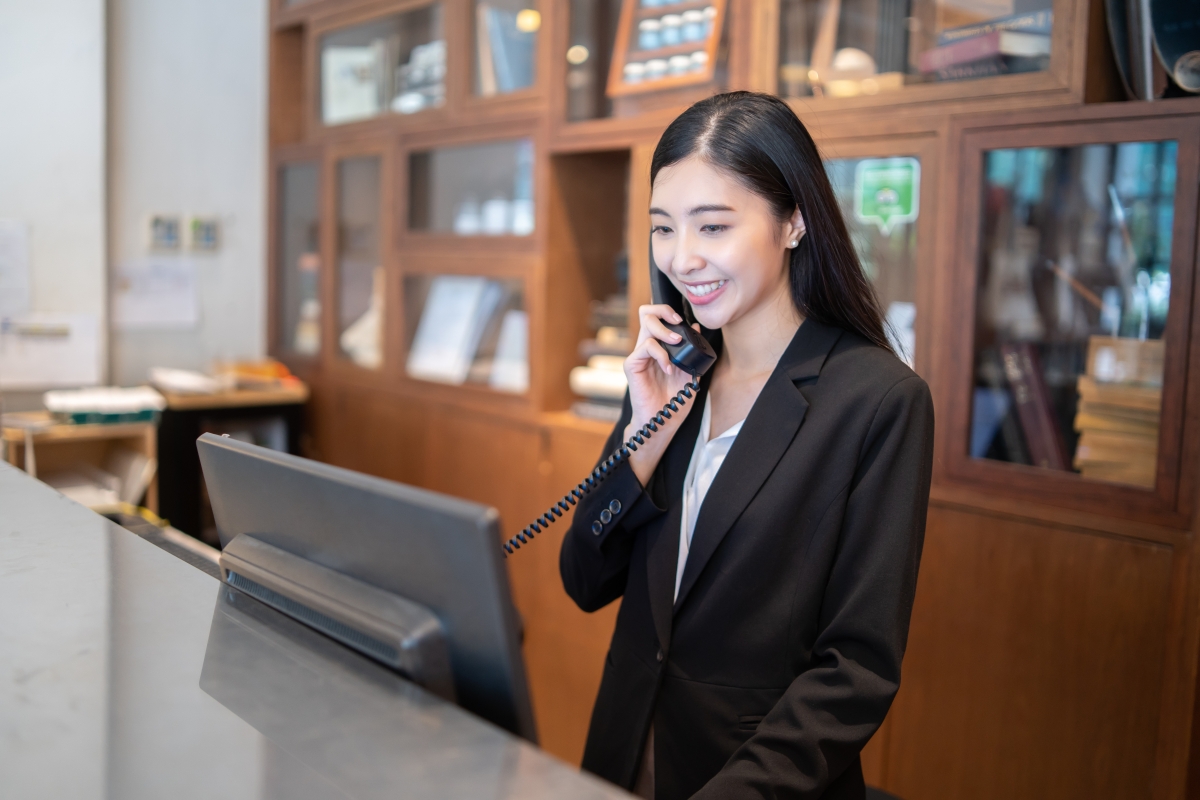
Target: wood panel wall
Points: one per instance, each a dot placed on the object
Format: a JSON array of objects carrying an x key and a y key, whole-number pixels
[{"x": 1035, "y": 662}]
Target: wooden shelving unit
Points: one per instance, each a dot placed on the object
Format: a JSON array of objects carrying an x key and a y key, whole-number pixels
[
  {"x": 1049, "y": 605},
  {"x": 59, "y": 446}
]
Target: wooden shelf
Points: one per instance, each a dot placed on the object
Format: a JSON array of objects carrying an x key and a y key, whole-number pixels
[
  {"x": 286, "y": 395},
  {"x": 61, "y": 446},
  {"x": 62, "y": 432},
  {"x": 565, "y": 420}
]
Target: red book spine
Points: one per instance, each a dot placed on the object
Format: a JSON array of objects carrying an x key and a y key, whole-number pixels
[
  {"x": 963, "y": 52},
  {"x": 1042, "y": 437}
]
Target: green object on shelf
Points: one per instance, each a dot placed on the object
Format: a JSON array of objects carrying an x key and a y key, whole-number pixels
[
  {"x": 96, "y": 418},
  {"x": 886, "y": 191}
]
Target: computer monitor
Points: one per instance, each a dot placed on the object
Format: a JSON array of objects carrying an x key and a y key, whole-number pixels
[{"x": 441, "y": 552}]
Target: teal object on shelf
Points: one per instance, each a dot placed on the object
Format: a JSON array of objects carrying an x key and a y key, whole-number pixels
[{"x": 97, "y": 418}]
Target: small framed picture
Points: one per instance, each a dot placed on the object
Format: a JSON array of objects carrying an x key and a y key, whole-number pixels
[
  {"x": 164, "y": 233},
  {"x": 204, "y": 234},
  {"x": 662, "y": 44}
]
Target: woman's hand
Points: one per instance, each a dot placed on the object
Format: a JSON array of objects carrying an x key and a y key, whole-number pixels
[{"x": 653, "y": 381}]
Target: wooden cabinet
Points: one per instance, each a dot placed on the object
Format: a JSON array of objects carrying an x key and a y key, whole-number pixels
[
  {"x": 1055, "y": 638},
  {"x": 1039, "y": 663},
  {"x": 925, "y": 55},
  {"x": 1053, "y": 649},
  {"x": 1095, "y": 248}
]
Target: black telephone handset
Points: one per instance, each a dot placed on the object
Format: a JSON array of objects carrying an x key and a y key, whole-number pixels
[{"x": 693, "y": 354}]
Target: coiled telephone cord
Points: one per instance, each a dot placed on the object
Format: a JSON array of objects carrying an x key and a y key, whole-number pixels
[{"x": 601, "y": 471}]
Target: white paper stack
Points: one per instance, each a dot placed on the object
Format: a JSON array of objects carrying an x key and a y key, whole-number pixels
[
  {"x": 183, "y": 381},
  {"x": 104, "y": 400},
  {"x": 124, "y": 478},
  {"x": 604, "y": 384}
]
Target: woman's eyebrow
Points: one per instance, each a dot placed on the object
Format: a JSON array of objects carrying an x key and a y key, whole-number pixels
[
  {"x": 702, "y": 209},
  {"x": 693, "y": 211}
]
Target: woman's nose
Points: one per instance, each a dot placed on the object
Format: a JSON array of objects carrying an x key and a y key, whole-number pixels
[
  {"x": 686, "y": 262},
  {"x": 685, "y": 259}
]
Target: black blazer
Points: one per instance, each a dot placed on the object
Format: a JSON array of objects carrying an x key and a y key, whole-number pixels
[{"x": 781, "y": 656}]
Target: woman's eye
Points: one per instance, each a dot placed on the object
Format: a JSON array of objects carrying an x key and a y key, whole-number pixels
[
  {"x": 713, "y": 228},
  {"x": 660, "y": 229}
]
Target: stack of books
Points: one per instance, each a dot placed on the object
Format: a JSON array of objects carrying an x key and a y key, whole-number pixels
[
  {"x": 104, "y": 405},
  {"x": 602, "y": 381},
  {"x": 1017, "y": 43},
  {"x": 1120, "y": 401}
]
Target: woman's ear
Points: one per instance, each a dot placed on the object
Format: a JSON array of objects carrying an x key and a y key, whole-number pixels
[{"x": 795, "y": 230}]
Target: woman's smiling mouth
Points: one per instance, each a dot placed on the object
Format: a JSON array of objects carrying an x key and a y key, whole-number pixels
[{"x": 704, "y": 293}]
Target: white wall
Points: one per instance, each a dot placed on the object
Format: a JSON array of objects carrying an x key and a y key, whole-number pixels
[
  {"x": 52, "y": 159},
  {"x": 187, "y": 134}
]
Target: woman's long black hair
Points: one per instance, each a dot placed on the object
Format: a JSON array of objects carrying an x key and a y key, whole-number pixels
[{"x": 760, "y": 141}]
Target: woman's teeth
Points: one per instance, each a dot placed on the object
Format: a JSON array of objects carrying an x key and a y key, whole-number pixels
[{"x": 699, "y": 290}]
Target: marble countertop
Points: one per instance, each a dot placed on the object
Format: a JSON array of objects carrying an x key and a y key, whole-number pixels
[{"x": 127, "y": 673}]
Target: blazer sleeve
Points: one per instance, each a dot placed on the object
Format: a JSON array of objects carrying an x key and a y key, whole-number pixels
[
  {"x": 594, "y": 560},
  {"x": 830, "y": 711}
]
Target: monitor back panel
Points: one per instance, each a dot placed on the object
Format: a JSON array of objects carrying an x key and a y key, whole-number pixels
[{"x": 440, "y": 551}]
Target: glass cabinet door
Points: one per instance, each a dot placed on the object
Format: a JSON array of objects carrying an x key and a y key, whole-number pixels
[
  {"x": 394, "y": 64},
  {"x": 880, "y": 200},
  {"x": 506, "y": 36},
  {"x": 360, "y": 275},
  {"x": 593, "y": 28},
  {"x": 298, "y": 265},
  {"x": 1073, "y": 294},
  {"x": 467, "y": 329},
  {"x": 473, "y": 190},
  {"x": 845, "y": 48}
]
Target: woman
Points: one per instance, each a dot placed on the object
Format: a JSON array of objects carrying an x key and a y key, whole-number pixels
[{"x": 765, "y": 539}]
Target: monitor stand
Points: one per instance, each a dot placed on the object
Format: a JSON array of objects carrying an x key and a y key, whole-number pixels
[{"x": 397, "y": 632}]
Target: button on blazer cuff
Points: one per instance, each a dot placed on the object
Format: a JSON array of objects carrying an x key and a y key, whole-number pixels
[{"x": 595, "y": 550}]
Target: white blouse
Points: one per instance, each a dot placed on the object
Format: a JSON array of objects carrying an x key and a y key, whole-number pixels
[{"x": 707, "y": 458}]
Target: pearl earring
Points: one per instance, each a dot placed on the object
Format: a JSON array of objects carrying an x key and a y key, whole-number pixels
[{"x": 794, "y": 243}]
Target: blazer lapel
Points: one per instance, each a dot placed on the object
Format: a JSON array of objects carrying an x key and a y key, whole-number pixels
[
  {"x": 766, "y": 435},
  {"x": 662, "y": 552}
]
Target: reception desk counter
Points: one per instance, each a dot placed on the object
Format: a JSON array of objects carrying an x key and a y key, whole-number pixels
[{"x": 127, "y": 673}]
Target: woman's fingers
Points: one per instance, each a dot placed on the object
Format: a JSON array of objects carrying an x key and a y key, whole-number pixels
[
  {"x": 649, "y": 315},
  {"x": 660, "y": 331},
  {"x": 660, "y": 356},
  {"x": 643, "y": 356},
  {"x": 660, "y": 310}
]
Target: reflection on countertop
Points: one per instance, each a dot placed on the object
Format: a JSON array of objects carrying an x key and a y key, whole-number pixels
[{"x": 127, "y": 673}]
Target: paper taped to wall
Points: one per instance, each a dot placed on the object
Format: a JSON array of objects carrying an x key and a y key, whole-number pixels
[
  {"x": 158, "y": 292},
  {"x": 42, "y": 351},
  {"x": 14, "y": 267}
]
